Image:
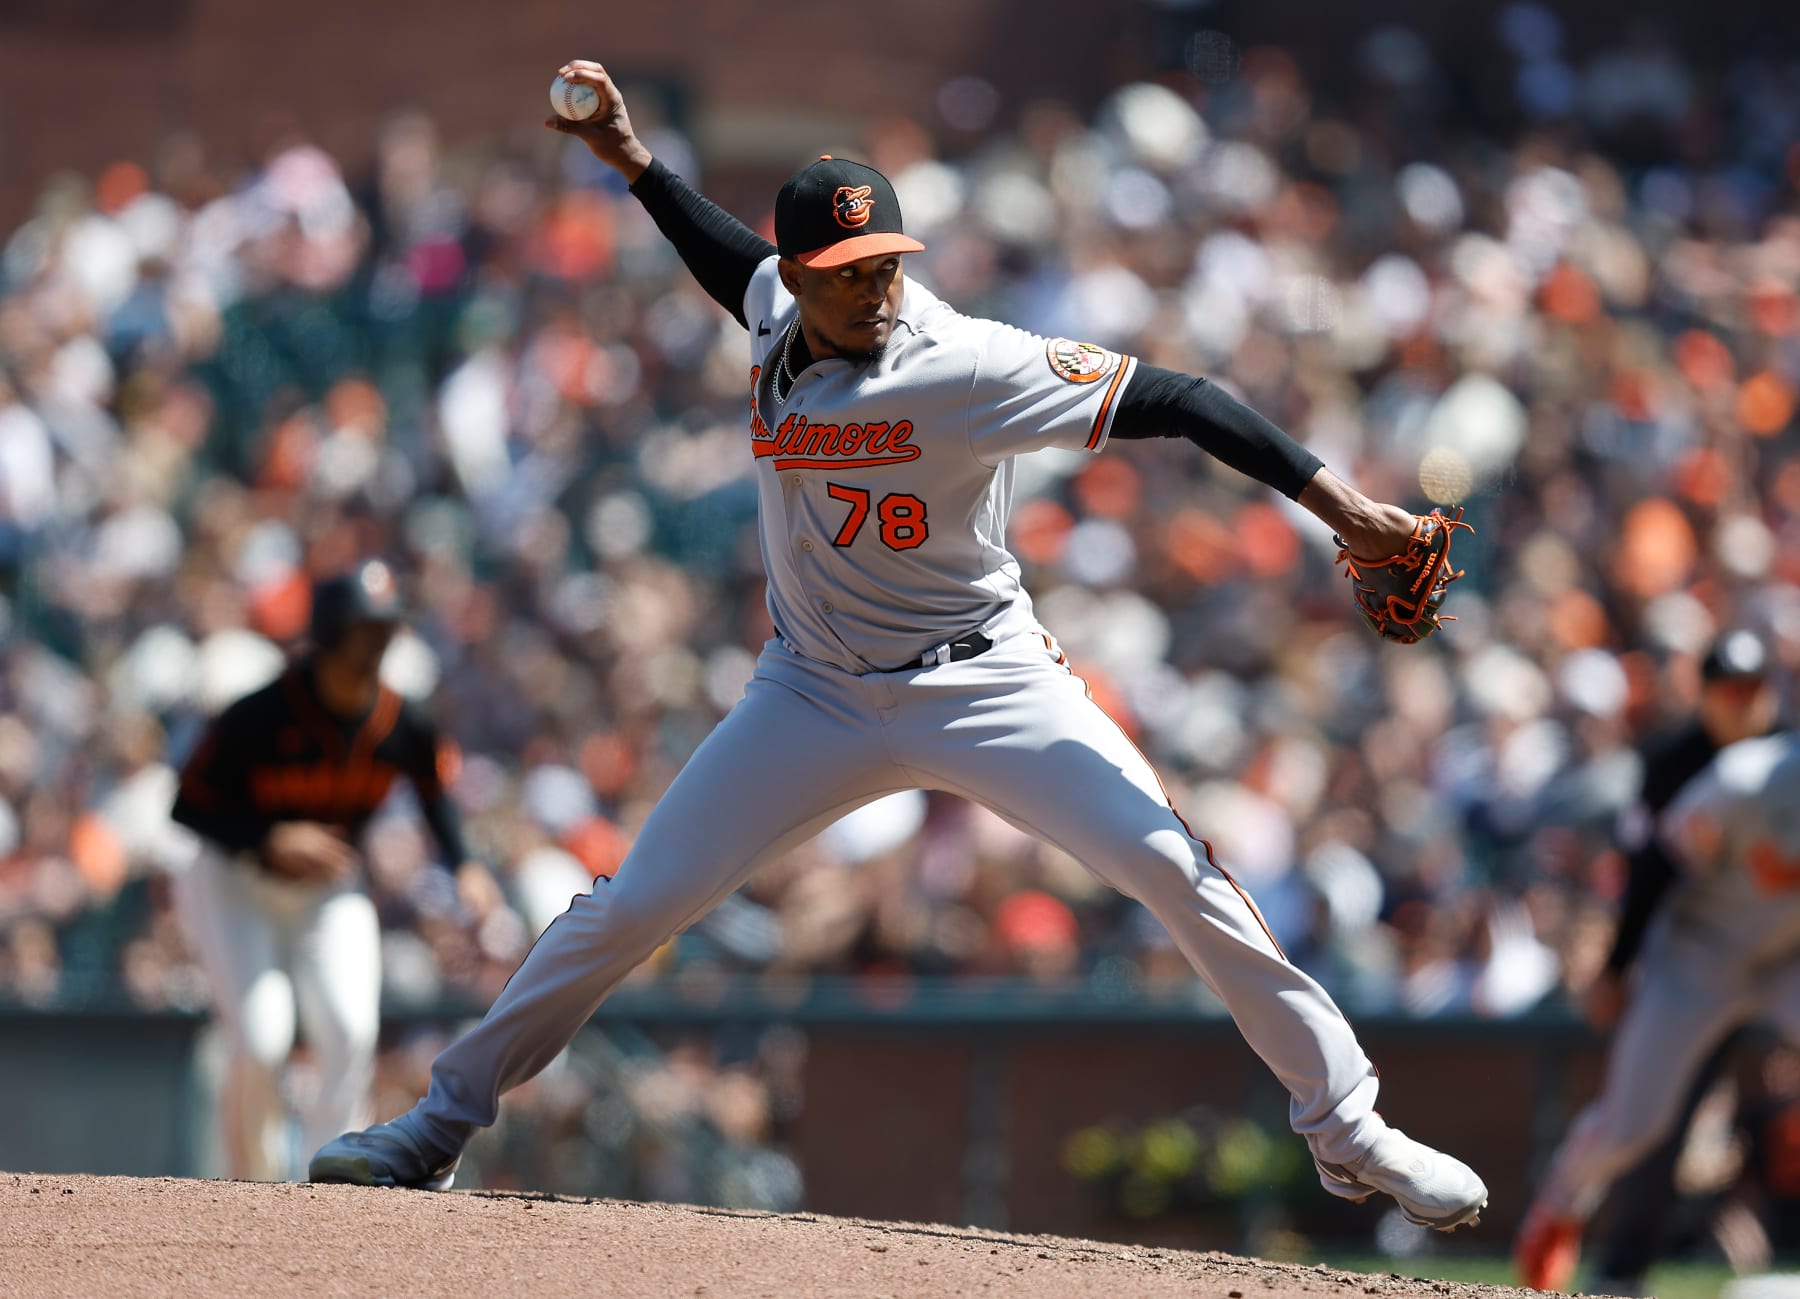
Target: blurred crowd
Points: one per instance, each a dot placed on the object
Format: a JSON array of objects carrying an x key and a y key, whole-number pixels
[{"x": 488, "y": 368}]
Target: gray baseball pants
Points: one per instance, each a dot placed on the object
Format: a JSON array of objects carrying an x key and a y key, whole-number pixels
[
  {"x": 1012, "y": 729},
  {"x": 1688, "y": 997}
]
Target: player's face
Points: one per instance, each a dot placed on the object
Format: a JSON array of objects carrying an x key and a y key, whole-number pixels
[
  {"x": 849, "y": 310},
  {"x": 364, "y": 645},
  {"x": 1736, "y": 708}
]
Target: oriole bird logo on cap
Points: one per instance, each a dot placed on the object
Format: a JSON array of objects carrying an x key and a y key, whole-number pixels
[{"x": 852, "y": 206}]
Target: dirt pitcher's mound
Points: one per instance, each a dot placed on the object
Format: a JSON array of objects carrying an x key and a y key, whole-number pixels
[{"x": 120, "y": 1236}]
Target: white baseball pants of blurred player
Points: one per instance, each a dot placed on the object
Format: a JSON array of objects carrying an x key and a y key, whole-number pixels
[
  {"x": 279, "y": 954},
  {"x": 1012, "y": 729},
  {"x": 1688, "y": 997}
]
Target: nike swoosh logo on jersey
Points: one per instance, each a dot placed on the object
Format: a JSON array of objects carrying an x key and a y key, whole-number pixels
[{"x": 762, "y": 328}]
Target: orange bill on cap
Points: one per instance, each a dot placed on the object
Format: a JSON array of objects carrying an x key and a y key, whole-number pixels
[{"x": 857, "y": 247}]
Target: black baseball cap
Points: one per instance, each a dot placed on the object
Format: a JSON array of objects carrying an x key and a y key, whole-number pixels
[
  {"x": 834, "y": 211},
  {"x": 368, "y": 593},
  {"x": 1737, "y": 655}
]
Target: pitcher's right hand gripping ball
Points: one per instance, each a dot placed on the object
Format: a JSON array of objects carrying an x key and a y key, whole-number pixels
[
  {"x": 1399, "y": 596},
  {"x": 575, "y": 101}
]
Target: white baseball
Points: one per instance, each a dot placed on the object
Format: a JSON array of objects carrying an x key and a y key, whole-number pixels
[{"x": 575, "y": 100}]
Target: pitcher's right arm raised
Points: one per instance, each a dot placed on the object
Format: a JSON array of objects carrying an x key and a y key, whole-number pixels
[{"x": 720, "y": 251}]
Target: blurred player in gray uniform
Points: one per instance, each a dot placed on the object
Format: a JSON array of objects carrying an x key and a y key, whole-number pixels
[
  {"x": 1738, "y": 700},
  {"x": 883, "y": 426},
  {"x": 1724, "y": 952}
]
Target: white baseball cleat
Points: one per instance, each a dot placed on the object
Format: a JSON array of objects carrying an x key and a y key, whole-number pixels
[
  {"x": 1432, "y": 1189},
  {"x": 387, "y": 1154}
]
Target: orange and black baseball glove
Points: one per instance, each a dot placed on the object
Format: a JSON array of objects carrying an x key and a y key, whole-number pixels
[{"x": 1399, "y": 596}]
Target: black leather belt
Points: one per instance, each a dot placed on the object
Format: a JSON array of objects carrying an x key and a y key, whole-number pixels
[{"x": 956, "y": 651}]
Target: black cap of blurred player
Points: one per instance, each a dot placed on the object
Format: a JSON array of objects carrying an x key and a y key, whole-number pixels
[
  {"x": 1736, "y": 656},
  {"x": 835, "y": 211},
  {"x": 367, "y": 593}
]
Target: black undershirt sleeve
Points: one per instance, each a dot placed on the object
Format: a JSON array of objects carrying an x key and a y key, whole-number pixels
[
  {"x": 1649, "y": 870},
  {"x": 231, "y": 831},
  {"x": 446, "y": 827},
  {"x": 1649, "y": 873},
  {"x": 1160, "y": 403},
  {"x": 721, "y": 251},
  {"x": 419, "y": 759}
]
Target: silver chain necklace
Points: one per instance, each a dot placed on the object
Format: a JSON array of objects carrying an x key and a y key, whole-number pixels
[{"x": 784, "y": 367}]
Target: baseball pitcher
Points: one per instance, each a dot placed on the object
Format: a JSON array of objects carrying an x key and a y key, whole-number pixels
[{"x": 883, "y": 426}]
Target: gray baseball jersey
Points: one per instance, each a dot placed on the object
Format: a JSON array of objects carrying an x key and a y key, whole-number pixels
[
  {"x": 885, "y": 487},
  {"x": 1735, "y": 829}
]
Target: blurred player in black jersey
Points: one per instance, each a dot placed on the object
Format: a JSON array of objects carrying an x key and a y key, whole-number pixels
[{"x": 279, "y": 790}]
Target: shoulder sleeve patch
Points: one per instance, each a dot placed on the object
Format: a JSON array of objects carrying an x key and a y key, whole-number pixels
[{"x": 1075, "y": 362}]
